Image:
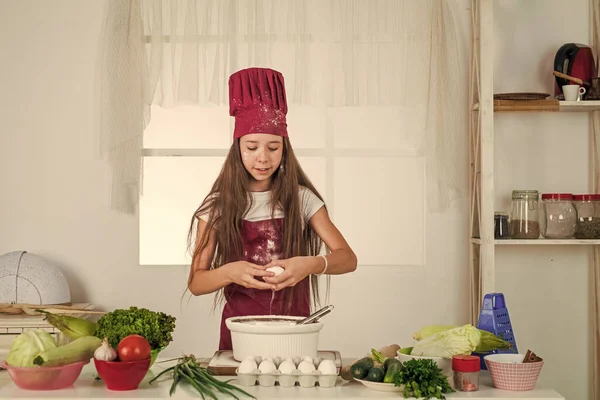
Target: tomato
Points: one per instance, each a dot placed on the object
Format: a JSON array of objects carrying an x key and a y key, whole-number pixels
[{"x": 133, "y": 348}]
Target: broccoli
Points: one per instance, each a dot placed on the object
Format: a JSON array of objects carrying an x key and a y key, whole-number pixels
[{"x": 156, "y": 327}]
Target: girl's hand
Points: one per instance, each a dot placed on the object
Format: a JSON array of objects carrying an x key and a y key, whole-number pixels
[
  {"x": 244, "y": 274},
  {"x": 295, "y": 270}
]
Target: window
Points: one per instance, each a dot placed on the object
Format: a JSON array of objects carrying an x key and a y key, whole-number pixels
[{"x": 362, "y": 160}]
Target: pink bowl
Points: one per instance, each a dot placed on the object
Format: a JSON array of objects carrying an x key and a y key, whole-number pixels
[
  {"x": 122, "y": 375},
  {"x": 514, "y": 376},
  {"x": 45, "y": 378}
]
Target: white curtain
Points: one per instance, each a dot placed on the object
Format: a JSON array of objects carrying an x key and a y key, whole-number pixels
[{"x": 333, "y": 53}]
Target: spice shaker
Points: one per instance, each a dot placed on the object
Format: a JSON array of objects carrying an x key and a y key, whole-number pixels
[
  {"x": 466, "y": 372},
  {"x": 501, "y": 229},
  {"x": 524, "y": 222}
]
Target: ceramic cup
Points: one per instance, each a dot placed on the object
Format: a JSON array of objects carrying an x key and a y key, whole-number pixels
[{"x": 573, "y": 92}]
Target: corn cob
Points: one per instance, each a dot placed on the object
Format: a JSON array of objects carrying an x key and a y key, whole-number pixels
[
  {"x": 71, "y": 327},
  {"x": 488, "y": 342},
  {"x": 81, "y": 349}
]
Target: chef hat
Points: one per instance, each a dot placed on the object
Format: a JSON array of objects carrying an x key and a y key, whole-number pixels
[{"x": 257, "y": 101}]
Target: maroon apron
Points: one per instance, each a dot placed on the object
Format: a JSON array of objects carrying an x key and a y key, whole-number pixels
[{"x": 262, "y": 241}]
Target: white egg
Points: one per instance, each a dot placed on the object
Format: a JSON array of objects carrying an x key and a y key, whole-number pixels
[
  {"x": 308, "y": 359},
  {"x": 327, "y": 367},
  {"x": 290, "y": 359},
  {"x": 276, "y": 270},
  {"x": 267, "y": 367},
  {"x": 287, "y": 367},
  {"x": 247, "y": 366},
  {"x": 306, "y": 367}
]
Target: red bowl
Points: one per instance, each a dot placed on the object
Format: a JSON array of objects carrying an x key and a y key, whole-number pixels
[{"x": 121, "y": 375}]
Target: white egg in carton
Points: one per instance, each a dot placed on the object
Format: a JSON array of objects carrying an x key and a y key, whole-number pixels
[{"x": 305, "y": 371}]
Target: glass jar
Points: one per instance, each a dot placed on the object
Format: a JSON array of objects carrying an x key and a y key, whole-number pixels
[
  {"x": 466, "y": 373},
  {"x": 588, "y": 216},
  {"x": 524, "y": 219},
  {"x": 501, "y": 227},
  {"x": 559, "y": 216}
]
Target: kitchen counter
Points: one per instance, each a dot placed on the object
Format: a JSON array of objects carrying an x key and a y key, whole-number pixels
[{"x": 87, "y": 387}]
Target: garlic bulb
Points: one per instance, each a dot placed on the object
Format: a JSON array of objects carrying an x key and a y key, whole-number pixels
[{"x": 105, "y": 352}]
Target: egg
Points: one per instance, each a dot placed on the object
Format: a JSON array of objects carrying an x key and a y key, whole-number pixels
[
  {"x": 290, "y": 359},
  {"x": 306, "y": 367},
  {"x": 287, "y": 367},
  {"x": 276, "y": 270},
  {"x": 247, "y": 366},
  {"x": 327, "y": 367},
  {"x": 267, "y": 367},
  {"x": 308, "y": 359}
]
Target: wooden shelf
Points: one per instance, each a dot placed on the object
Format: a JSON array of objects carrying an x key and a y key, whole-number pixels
[
  {"x": 542, "y": 242},
  {"x": 543, "y": 105}
]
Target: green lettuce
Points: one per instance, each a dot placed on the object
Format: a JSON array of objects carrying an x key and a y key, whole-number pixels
[
  {"x": 461, "y": 340},
  {"x": 25, "y": 347}
]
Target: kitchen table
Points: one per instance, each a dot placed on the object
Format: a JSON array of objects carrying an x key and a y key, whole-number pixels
[{"x": 88, "y": 387}]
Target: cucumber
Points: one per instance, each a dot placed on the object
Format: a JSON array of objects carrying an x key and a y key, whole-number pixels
[
  {"x": 361, "y": 368},
  {"x": 390, "y": 361},
  {"x": 81, "y": 349},
  {"x": 394, "y": 366},
  {"x": 376, "y": 374}
]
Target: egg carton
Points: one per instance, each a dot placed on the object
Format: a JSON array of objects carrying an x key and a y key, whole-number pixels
[{"x": 300, "y": 373}]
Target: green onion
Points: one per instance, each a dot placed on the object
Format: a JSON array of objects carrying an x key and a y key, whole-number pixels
[{"x": 189, "y": 370}]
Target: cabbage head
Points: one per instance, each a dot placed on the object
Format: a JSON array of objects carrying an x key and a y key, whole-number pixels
[
  {"x": 25, "y": 347},
  {"x": 445, "y": 344}
]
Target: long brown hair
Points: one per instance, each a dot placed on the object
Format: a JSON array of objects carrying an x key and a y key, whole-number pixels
[{"x": 228, "y": 201}]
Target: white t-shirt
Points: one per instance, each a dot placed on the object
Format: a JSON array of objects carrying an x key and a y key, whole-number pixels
[{"x": 261, "y": 207}]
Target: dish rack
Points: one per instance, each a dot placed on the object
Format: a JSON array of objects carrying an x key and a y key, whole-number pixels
[{"x": 13, "y": 324}]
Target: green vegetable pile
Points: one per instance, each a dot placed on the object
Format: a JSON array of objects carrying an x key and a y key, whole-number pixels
[
  {"x": 422, "y": 378},
  {"x": 187, "y": 370},
  {"x": 27, "y": 346},
  {"x": 156, "y": 327}
]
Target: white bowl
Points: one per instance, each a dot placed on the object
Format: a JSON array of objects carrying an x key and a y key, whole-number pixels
[
  {"x": 380, "y": 386},
  {"x": 273, "y": 336},
  {"x": 445, "y": 364},
  {"x": 508, "y": 358}
]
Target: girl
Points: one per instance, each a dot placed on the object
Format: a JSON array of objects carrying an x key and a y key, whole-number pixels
[{"x": 262, "y": 211}]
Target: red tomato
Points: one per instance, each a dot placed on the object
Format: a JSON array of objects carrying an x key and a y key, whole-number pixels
[{"x": 133, "y": 348}]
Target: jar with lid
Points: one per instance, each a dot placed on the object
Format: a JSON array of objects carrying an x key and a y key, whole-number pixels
[
  {"x": 559, "y": 216},
  {"x": 524, "y": 219},
  {"x": 588, "y": 216},
  {"x": 501, "y": 228},
  {"x": 466, "y": 373}
]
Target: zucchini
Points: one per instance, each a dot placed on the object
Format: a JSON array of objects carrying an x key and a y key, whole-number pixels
[
  {"x": 376, "y": 374},
  {"x": 81, "y": 349},
  {"x": 361, "y": 368},
  {"x": 394, "y": 366}
]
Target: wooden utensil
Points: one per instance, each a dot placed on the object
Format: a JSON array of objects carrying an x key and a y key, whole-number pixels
[
  {"x": 571, "y": 78},
  {"x": 29, "y": 309}
]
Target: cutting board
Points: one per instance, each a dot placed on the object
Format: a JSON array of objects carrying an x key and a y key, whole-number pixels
[{"x": 223, "y": 363}]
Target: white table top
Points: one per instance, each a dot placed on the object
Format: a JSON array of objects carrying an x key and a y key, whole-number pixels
[{"x": 87, "y": 387}]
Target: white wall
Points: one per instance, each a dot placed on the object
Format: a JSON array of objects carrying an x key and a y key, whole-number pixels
[
  {"x": 546, "y": 287},
  {"x": 54, "y": 200}
]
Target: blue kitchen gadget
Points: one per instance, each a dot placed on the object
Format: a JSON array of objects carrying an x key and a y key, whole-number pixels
[{"x": 494, "y": 318}]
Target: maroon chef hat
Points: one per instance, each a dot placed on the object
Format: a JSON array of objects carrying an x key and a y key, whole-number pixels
[{"x": 257, "y": 101}]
